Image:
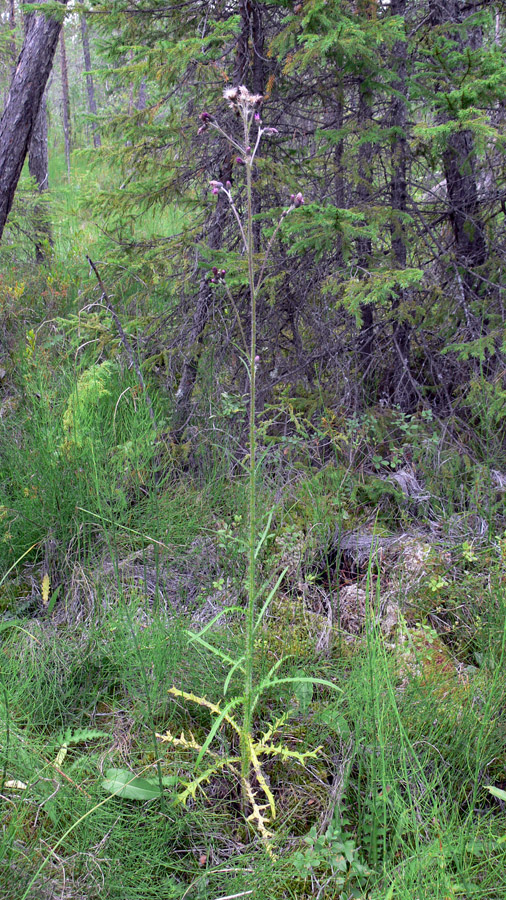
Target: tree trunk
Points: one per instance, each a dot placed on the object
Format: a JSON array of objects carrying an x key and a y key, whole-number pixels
[
  {"x": 27, "y": 87},
  {"x": 90, "y": 87},
  {"x": 401, "y": 384},
  {"x": 12, "y": 26},
  {"x": 200, "y": 319},
  {"x": 65, "y": 100},
  {"x": 459, "y": 158},
  {"x": 339, "y": 185},
  {"x": 141, "y": 96},
  {"x": 38, "y": 167},
  {"x": 244, "y": 65},
  {"x": 364, "y": 245}
]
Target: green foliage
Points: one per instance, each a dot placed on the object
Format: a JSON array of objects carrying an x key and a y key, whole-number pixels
[
  {"x": 333, "y": 859},
  {"x": 380, "y": 288},
  {"x": 121, "y": 783}
]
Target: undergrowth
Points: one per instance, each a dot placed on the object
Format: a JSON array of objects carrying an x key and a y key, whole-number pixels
[{"x": 142, "y": 542}]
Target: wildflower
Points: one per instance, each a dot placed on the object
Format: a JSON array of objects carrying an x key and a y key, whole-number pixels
[
  {"x": 257, "y": 117},
  {"x": 202, "y": 129},
  {"x": 228, "y": 185},
  {"x": 205, "y": 117},
  {"x": 271, "y": 131},
  {"x": 215, "y": 271},
  {"x": 240, "y": 98},
  {"x": 216, "y": 184},
  {"x": 239, "y": 160},
  {"x": 257, "y": 360},
  {"x": 231, "y": 95},
  {"x": 298, "y": 200}
]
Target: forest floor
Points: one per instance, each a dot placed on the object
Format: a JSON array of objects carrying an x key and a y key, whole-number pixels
[{"x": 122, "y": 591}]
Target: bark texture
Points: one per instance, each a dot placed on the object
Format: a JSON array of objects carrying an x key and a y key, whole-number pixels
[
  {"x": 401, "y": 384},
  {"x": 12, "y": 26},
  {"x": 90, "y": 87},
  {"x": 65, "y": 100},
  {"x": 22, "y": 107},
  {"x": 38, "y": 166},
  {"x": 459, "y": 156},
  {"x": 364, "y": 245}
]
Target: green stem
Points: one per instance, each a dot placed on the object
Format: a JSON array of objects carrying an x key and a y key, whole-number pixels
[{"x": 251, "y": 578}]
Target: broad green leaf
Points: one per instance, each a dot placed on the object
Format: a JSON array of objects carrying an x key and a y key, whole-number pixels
[
  {"x": 303, "y": 691},
  {"x": 496, "y": 792},
  {"x": 333, "y": 719},
  {"x": 122, "y": 783}
]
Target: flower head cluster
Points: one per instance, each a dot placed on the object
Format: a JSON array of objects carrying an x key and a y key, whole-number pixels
[
  {"x": 217, "y": 275},
  {"x": 297, "y": 200},
  {"x": 240, "y": 99},
  {"x": 206, "y": 119}
]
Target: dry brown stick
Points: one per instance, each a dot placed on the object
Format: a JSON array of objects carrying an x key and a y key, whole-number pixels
[{"x": 125, "y": 342}]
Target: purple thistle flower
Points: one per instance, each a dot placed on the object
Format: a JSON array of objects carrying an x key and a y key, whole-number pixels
[
  {"x": 205, "y": 117},
  {"x": 228, "y": 185},
  {"x": 298, "y": 200},
  {"x": 239, "y": 160}
]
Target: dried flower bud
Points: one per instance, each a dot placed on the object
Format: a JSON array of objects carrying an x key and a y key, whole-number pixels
[
  {"x": 298, "y": 200},
  {"x": 231, "y": 95},
  {"x": 202, "y": 129},
  {"x": 205, "y": 117}
]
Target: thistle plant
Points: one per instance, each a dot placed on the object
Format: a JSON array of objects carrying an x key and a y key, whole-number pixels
[{"x": 247, "y": 107}]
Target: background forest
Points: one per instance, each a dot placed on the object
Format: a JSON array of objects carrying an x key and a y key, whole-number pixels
[{"x": 253, "y": 452}]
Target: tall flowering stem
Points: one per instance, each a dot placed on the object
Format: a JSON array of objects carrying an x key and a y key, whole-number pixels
[{"x": 247, "y": 106}]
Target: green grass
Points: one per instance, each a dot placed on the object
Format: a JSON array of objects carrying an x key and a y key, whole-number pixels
[{"x": 414, "y": 800}]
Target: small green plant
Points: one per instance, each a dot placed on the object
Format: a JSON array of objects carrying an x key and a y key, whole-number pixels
[
  {"x": 436, "y": 583},
  {"x": 468, "y": 553},
  {"x": 332, "y": 858}
]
